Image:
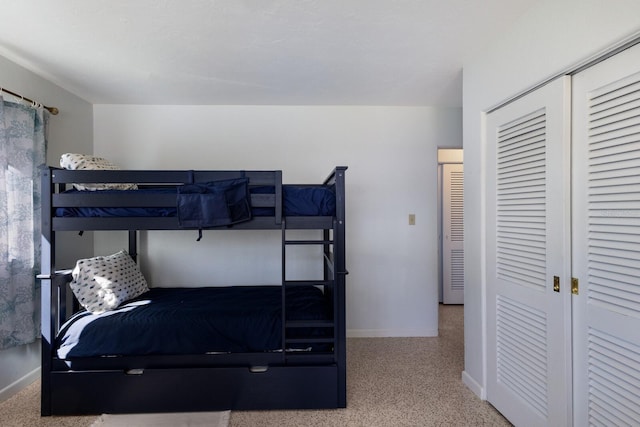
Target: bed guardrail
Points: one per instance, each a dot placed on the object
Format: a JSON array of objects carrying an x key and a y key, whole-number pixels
[{"x": 58, "y": 180}]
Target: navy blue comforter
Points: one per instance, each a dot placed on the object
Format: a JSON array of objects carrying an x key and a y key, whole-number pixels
[{"x": 190, "y": 321}]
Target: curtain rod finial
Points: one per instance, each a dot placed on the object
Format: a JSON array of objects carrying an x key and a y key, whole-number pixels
[{"x": 53, "y": 110}]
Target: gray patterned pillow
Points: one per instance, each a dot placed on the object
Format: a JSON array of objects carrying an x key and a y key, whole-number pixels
[
  {"x": 103, "y": 283},
  {"x": 74, "y": 161}
]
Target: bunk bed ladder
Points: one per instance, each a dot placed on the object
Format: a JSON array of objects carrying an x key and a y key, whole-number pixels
[
  {"x": 291, "y": 339},
  {"x": 333, "y": 283}
]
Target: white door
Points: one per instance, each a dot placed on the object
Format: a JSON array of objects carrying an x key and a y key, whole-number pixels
[
  {"x": 527, "y": 234},
  {"x": 606, "y": 241},
  {"x": 453, "y": 230}
]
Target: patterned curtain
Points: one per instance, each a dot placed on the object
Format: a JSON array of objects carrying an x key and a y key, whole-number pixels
[{"x": 22, "y": 151}]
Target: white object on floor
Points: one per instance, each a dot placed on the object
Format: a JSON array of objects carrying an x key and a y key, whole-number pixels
[{"x": 174, "y": 419}]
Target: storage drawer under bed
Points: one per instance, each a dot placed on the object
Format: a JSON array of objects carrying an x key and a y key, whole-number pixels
[{"x": 194, "y": 389}]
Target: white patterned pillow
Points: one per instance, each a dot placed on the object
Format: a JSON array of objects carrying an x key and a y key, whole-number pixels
[
  {"x": 103, "y": 283},
  {"x": 74, "y": 161}
]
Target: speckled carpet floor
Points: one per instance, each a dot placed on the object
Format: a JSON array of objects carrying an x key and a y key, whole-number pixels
[
  {"x": 394, "y": 382},
  {"x": 390, "y": 382}
]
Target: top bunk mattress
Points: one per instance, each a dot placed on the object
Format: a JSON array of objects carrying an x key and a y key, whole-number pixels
[{"x": 298, "y": 200}]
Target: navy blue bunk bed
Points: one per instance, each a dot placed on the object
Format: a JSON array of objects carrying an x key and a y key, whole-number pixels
[{"x": 281, "y": 347}]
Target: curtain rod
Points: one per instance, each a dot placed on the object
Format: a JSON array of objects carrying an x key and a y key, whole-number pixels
[{"x": 52, "y": 110}]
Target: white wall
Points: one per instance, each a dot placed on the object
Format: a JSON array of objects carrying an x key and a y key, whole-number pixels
[
  {"x": 553, "y": 36},
  {"x": 391, "y": 153},
  {"x": 71, "y": 130}
]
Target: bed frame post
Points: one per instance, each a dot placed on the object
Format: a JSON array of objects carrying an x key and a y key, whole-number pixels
[
  {"x": 133, "y": 244},
  {"x": 279, "y": 197},
  {"x": 339, "y": 236},
  {"x": 49, "y": 311},
  {"x": 283, "y": 289}
]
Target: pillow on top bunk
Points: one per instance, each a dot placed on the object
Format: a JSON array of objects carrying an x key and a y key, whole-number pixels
[
  {"x": 74, "y": 161},
  {"x": 102, "y": 283}
]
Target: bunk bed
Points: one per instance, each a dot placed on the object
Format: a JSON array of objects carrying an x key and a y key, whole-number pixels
[{"x": 292, "y": 356}]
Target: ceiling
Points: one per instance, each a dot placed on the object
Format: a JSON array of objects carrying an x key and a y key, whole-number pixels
[{"x": 254, "y": 52}]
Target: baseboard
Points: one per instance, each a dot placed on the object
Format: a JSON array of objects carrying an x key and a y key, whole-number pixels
[
  {"x": 388, "y": 333},
  {"x": 473, "y": 385},
  {"x": 19, "y": 384}
]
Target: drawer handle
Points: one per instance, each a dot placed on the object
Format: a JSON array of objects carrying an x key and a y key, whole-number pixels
[
  {"x": 258, "y": 369},
  {"x": 138, "y": 371}
]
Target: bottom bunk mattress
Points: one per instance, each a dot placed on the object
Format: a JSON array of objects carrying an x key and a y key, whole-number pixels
[{"x": 193, "y": 321}]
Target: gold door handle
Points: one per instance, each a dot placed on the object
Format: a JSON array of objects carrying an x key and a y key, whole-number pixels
[{"x": 556, "y": 284}]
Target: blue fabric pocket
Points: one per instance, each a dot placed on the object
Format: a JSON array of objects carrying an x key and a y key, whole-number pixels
[{"x": 213, "y": 204}]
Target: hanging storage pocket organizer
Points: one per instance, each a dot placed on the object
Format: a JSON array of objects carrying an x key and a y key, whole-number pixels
[{"x": 213, "y": 204}]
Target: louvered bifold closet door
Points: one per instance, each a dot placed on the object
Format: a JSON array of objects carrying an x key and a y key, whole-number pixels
[
  {"x": 453, "y": 247},
  {"x": 606, "y": 242},
  {"x": 527, "y": 226}
]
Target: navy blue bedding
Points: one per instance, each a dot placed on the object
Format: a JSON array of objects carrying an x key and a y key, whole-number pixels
[
  {"x": 298, "y": 201},
  {"x": 191, "y": 321}
]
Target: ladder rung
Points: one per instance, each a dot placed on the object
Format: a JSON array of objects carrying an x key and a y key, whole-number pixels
[
  {"x": 308, "y": 242},
  {"x": 309, "y": 324},
  {"x": 304, "y": 356},
  {"x": 308, "y": 282},
  {"x": 309, "y": 340}
]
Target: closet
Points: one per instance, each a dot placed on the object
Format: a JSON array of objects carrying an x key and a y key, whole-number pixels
[{"x": 563, "y": 249}]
